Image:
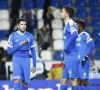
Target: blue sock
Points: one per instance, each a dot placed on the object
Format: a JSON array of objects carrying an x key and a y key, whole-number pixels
[
  {"x": 24, "y": 87},
  {"x": 63, "y": 87},
  {"x": 89, "y": 87},
  {"x": 80, "y": 88},
  {"x": 75, "y": 87},
  {"x": 16, "y": 86}
]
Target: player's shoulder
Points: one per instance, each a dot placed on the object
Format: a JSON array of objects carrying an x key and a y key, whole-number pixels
[
  {"x": 29, "y": 34},
  {"x": 71, "y": 22},
  {"x": 13, "y": 34},
  {"x": 85, "y": 33}
]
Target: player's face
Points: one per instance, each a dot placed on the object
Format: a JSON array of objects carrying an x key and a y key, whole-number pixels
[
  {"x": 79, "y": 27},
  {"x": 63, "y": 14},
  {"x": 22, "y": 26}
]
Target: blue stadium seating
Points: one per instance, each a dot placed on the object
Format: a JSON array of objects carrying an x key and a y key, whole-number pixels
[
  {"x": 80, "y": 4},
  {"x": 81, "y": 13},
  {"x": 3, "y": 33},
  {"x": 55, "y": 3},
  {"x": 97, "y": 43},
  {"x": 28, "y": 4},
  {"x": 94, "y": 13},
  {"x": 58, "y": 55},
  {"x": 93, "y": 3},
  {"x": 3, "y": 5},
  {"x": 39, "y": 4},
  {"x": 96, "y": 33},
  {"x": 67, "y": 2},
  {"x": 97, "y": 55},
  {"x": 95, "y": 23}
]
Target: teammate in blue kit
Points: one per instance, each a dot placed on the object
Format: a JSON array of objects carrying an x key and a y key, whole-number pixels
[
  {"x": 71, "y": 59},
  {"x": 86, "y": 46},
  {"x": 19, "y": 44}
]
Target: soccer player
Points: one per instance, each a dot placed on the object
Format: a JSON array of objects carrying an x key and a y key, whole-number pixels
[
  {"x": 19, "y": 44},
  {"x": 71, "y": 59},
  {"x": 86, "y": 46}
]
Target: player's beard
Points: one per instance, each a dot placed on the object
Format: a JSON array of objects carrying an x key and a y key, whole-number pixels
[{"x": 22, "y": 31}]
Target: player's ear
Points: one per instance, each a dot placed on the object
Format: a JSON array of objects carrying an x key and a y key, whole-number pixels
[{"x": 17, "y": 26}]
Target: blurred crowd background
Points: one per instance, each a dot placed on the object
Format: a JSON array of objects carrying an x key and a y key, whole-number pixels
[{"x": 44, "y": 22}]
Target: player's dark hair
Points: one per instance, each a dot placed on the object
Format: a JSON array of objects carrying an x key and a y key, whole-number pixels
[
  {"x": 20, "y": 19},
  {"x": 81, "y": 22},
  {"x": 69, "y": 10}
]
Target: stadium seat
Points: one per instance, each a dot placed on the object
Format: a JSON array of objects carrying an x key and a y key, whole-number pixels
[
  {"x": 58, "y": 45},
  {"x": 4, "y": 14},
  {"x": 3, "y": 34},
  {"x": 46, "y": 55},
  {"x": 56, "y": 14},
  {"x": 39, "y": 4},
  {"x": 97, "y": 55},
  {"x": 28, "y": 4},
  {"x": 40, "y": 23},
  {"x": 96, "y": 33},
  {"x": 58, "y": 55},
  {"x": 80, "y": 4},
  {"x": 4, "y": 25},
  {"x": 3, "y": 43},
  {"x": 86, "y": 22},
  {"x": 57, "y": 24},
  {"x": 55, "y": 3},
  {"x": 57, "y": 34},
  {"x": 67, "y": 2},
  {"x": 97, "y": 43},
  {"x": 93, "y": 3},
  {"x": 95, "y": 23},
  {"x": 81, "y": 13},
  {"x": 94, "y": 13},
  {"x": 3, "y": 5},
  {"x": 39, "y": 13},
  {"x": 86, "y": 30}
]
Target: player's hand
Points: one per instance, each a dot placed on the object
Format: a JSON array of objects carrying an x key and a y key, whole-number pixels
[
  {"x": 33, "y": 70},
  {"x": 84, "y": 61},
  {"x": 23, "y": 42}
]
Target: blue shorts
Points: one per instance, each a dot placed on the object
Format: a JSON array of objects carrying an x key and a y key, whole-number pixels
[
  {"x": 84, "y": 71},
  {"x": 70, "y": 69},
  {"x": 21, "y": 69}
]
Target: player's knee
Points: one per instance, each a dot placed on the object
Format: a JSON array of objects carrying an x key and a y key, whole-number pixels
[
  {"x": 63, "y": 81},
  {"x": 85, "y": 82},
  {"x": 25, "y": 84},
  {"x": 73, "y": 81},
  {"x": 16, "y": 81},
  {"x": 79, "y": 82}
]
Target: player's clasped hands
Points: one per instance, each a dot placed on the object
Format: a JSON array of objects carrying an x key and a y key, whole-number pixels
[
  {"x": 23, "y": 42},
  {"x": 33, "y": 70}
]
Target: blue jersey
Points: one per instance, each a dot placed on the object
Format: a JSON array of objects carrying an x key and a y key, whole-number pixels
[
  {"x": 82, "y": 43},
  {"x": 69, "y": 29}
]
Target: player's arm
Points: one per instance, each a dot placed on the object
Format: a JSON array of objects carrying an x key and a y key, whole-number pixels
[
  {"x": 10, "y": 47},
  {"x": 33, "y": 52},
  {"x": 91, "y": 46},
  {"x": 74, "y": 35}
]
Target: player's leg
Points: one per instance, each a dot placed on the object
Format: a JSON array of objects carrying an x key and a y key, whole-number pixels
[
  {"x": 79, "y": 82},
  {"x": 64, "y": 79},
  {"x": 26, "y": 73},
  {"x": 85, "y": 75},
  {"x": 86, "y": 84},
  {"x": 73, "y": 73},
  {"x": 16, "y": 73}
]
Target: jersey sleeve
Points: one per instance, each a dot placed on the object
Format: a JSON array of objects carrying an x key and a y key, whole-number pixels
[
  {"x": 32, "y": 43},
  {"x": 87, "y": 37},
  {"x": 10, "y": 41},
  {"x": 72, "y": 27}
]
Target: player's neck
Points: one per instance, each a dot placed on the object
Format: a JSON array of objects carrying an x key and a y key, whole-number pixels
[
  {"x": 21, "y": 32},
  {"x": 66, "y": 19}
]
